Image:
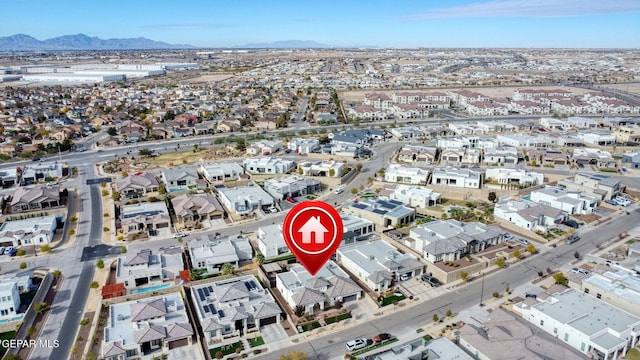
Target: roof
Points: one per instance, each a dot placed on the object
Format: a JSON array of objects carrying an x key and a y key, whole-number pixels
[
  {"x": 185, "y": 204},
  {"x": 179, "y": 330},
  {"x": 153, "y": 332},
  {"x": 111, "y": 349},
  {"x": 141, "y": 311},
  {"x": 35, "y": 193}
]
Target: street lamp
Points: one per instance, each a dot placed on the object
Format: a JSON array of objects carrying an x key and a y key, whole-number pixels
[{"x": 482, "y": 290}]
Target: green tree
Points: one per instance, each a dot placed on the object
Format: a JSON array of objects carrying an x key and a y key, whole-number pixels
[
  {"x": 517, "y": 254},
  {"x": 100, "y": 264},
  {"x": 31, "y": 331},
  {"x": 46, "y": 248},
  {"x": 227, "y": 269},
  {"x": 94, "y": 285},
  {"x": 332, "y": 172},
  {"x": 449, "y": 313},
  {"x": 464, "y": 275},
  {"x": 300, "y": 171},
  {"x": 359, "y": 167},
  {"x": 500, "y": 262},
  {"x": 492, "y": 196},
  {"x": 354, "y": 191},
  {"x": 112, "y": 131},
  {"x": 23, "y": 265},
  {"x": 145, "y": 152},
  {"x": 41, "y": 307},
  {"x": 259, "y": 259},
  {"x": 559, "y": 278},
  {"x": 195, "y": 147},
  {"x": 532, "y": 249},
  {"x": 436, "y": 318},
  {"x": 123, "y": 250},
  {"x": 115, "y": 196},
  {"x": 71, "y": 232},
  {"x": 56, "y": 273}
]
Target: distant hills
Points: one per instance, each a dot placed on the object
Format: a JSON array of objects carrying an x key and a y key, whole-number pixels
[
  {"x": 22, "y": 42},
  {"x": 296, "y": 44}
]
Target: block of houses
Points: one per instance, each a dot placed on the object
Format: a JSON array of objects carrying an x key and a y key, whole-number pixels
[
  {"x": 137, "y": 186},
  {"x": 595, "y": 328},
  {"x": 313, "y": 293},
  {"x": 452, "y": 177},
  {"x": 406, "y": 175},
  {"x": 414, "y": 196},
  {"x": 35, "y": 198},
  {"x": 179, "y": 178},
  {"x": 195, "y": 210},
  {"x": 450, "y": 240},
  {"x": 304, "y": 146},
  {"x": 244, "y": 200},
  {"x": 220, "y": 172},
  {"x": 31, "y": 231},
  {"x": 529, "y": 215},
  {"x": 571, "y": 202},
  {"x": 383, "y": 213},
  {"x": 378, "y": 264},
  {"x": 268, "y": 165},
  {"x": 231, "y": 307},
  {"x": 211, "y": 252},
  {"x": 503, "y": 334},
  {"x": 501, "y": 155},
  {"x": 146, "y": 327},
  {"x": 144, "y": 217},
  {"x": 264, "y": 147},
  {"x": 506, "y": 176},
  {"x": 145, "y": 268},
  {"x": 617, "y": 286},
  {"x": 602, "y": 187},
  {"x": 325, "y": 168},
  {"x": 291, "y": 185}
]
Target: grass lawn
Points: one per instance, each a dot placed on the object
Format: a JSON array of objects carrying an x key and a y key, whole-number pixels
[
  {"x": 6, "y": 336},
  {"x": 285, "y": 257},
  {"x": 226, "y": 349},
  {"x": 309, "y": 326},
  {"x": 389, "y": 300},
  {"x": 256, "y": 341},
  {"x": 333, "y": 319}
]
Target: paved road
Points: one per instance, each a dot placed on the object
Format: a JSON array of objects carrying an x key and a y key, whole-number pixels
[{"x": 405, "y": 322}]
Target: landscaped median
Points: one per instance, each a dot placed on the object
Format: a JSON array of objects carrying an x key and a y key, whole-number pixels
[
  {"x": 390, "y": 298},
  {"x": 221, "y": 351}
]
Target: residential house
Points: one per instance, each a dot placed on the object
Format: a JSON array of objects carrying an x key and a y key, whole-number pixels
[
  {"x": 8, "y": 177},
  {"x": 501, "y": 155},
  {"x": 383, "y": 213},
  {"x": 417, "y": 154},
  {"x": 522, "y": 178},
  {"x": 244, "y": 200},
  {"x": 291, "y": 185},
  {"x": 268, "y": 165},
  {"x": 9, "y": 299},
  {"x": 602, "y": 187},
  {"x": 322, "y": 168},
  {"x": 31, "y": 231},
  {"x": 630, "y": 160},
  {"x": 146, "y": 327},
  {"x": 329, "y": 286},
  {"x": 529, "y": 215},
  {"x": 450, "y": 240},
  {"x": 264, "y": 147},
  {"x": 452, "y": 177},
  {"x": 414, "y": 196},
  {"x": 588, "y": 156},
  {"x": 35, "y": 198},
  {"x": 571, "y": 202},
  {"x": 616, "y": 286},
  {"x": 32, "y": 174},
  {"x": 304, "y": 146},
  {"x": 232, "y": 307},
  {"x": 271, "y": 242},
  {"x": 179, "y": 178},
  {"x": 144, "y": 217},
  {"x": 220, "y": 172},
  {"x": 378, "y": 264},
  {"x": 144, "y": 268},
  {"x": 211, "y": 252},
  {"x": 596, "y": 329},
  {"x": 627, "y": 133},
  {"x": 137, "y": 186},
  {"x": 195, "y": 210},
  {"x": 420, "y": 348},
  {"x": 404, "y": 175}
]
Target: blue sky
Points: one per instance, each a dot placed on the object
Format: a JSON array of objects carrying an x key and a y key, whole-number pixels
[{"x": 397, "y": 23}]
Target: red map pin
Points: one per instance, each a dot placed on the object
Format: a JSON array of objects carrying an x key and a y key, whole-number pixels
[{"x": 313, "y": 232}]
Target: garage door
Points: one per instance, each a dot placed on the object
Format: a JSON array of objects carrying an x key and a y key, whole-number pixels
[
  {"x": 269, "y": 320},
  {"x": 162, "y": 225},
  {"x": 346, "y": 299},
  {"x": 178, "y": 343}
]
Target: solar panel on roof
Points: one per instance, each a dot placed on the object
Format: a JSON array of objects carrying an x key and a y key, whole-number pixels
[
  {"x": 206, "y": 308},
  {"x": 206, "y": 291},
  {"x": 253, "y": 285},
  {"x": 220, "y": 313},
  {"x": 359, "y": 206},
  {"x": 210, "y": 288},
  {"x": 201, "y": 295},
  {"x": 212, "y": 308},
  {"x": 247, "y": 285},
  {"x": 380, "y": 211},
  {"x": 395, "y": 202}
]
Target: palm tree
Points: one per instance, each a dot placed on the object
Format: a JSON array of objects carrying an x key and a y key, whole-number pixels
[
  {"x": 259, "y": 259},
  {"x": 227, "y": 269}
]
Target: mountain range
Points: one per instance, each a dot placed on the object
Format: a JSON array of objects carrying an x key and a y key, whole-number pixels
[{"x": 22, "y": 42}]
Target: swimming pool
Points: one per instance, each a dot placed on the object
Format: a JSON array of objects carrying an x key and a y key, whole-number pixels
[{"x": 151, "y": 288}]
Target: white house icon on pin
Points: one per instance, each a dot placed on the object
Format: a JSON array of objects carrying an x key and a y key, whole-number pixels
[{"x": 313, "y": 226}]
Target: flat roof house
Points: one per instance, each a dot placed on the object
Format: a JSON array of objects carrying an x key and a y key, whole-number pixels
[
  {"x": 462, "y": 178},
  {"x": 219, "y": 172},
  {"x": 414, "y": 196},
  {"x": 450, "y": 240},
  {"x": 230, "y": 307},
  {"x": 145, "y": 268},
  {"x": 514, "y": 177},
  {"x": 330, "y": 285},
  {"x": 268, "y": 165},
  {"x": 211, "y": 252},
  {"x": 602, "y": 187},
  {"x": 405, "y": 175},
  {"x": 529, "y": 215},
  {"x": 244, "y": 200},
  {"x": 325, "y": 168},
  {"x": 271, "y": 242},
  {"x": 291, "y": 185},
  {"x": 146, "y": 327},
  {"x": 384, "y": 213},
  {"x": 31, "y": 231},
  {"x": 596, "y": 329},
  {"x": 378, "y": 264},
  {"x": 616, "y": 286},
  {"x": 572, "y": 202}
]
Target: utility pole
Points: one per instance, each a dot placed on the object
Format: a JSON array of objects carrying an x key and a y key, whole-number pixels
[{"x": 482, "y": 290}]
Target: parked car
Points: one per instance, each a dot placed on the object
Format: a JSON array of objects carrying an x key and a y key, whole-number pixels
[
  {"x": 572, "y": 223},
  {"x": 622, "y": 201},
  {"x": 522, "y": 241},
  {"x": 338, "y": 191},
  {"x": 1, "y": 250},
  {"x": 11, "y": 252},
  {"x": 430, "y": 280},
  {"x": 508, "y": 236},
  {"x": 405, "y": 277},
  {"x": 179, "y": 235},
  {"x": 530, "y": 296},
  {"x": 356, "y": 344},
  {"x": 571, "y": 239},
  {"x": 382, "y": 337},
  {"x": 611, "y": 202},
  {"x": 609, "y": 263},
  {"x": 291, "y": 200},
  {"x": 35, "y": 159},
  {"x": 582, "y": 271}
]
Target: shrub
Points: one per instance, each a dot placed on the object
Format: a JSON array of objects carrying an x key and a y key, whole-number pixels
[
  {"x": 94, "y": 285},
  {"x": 23, "y": 265},
  {"x": 84, "y": 321},
  {"x": 496, "y": 294},
  {"x": 100, "y": 264},
  {"x": 105, "y": 229}
]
